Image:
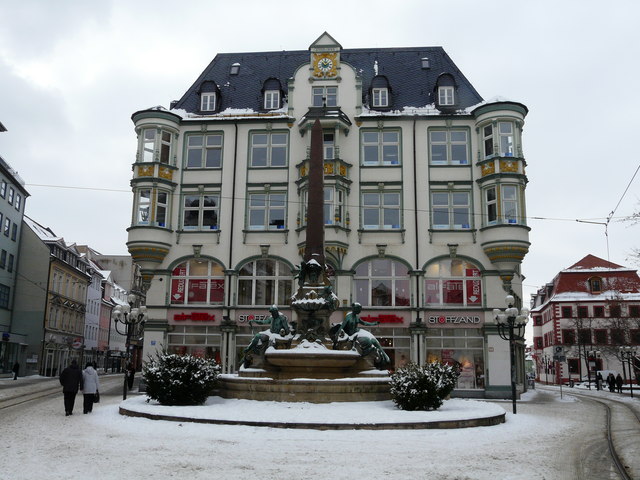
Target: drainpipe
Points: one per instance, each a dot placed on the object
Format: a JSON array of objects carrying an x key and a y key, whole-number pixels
[{"x": 233, "y": 205}]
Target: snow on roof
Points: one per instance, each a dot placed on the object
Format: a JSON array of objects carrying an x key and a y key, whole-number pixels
[{"x": 44, "y": 233}]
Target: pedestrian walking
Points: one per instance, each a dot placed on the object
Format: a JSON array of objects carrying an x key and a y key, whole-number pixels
[
  {"x": 70, "y": 379},
  {"x": 90, "y": 387},
  {"x": 619, "y": 383},
  {"x": 611, "y": 382},
  {"x": 15, "y": 370},
  {"x": 599, "y": 381}
]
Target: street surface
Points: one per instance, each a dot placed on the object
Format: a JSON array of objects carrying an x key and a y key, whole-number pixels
[{"x": 549, "y": 439}]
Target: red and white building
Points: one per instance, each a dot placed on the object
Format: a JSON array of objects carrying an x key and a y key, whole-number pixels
[{"x": 582, "y": 318}]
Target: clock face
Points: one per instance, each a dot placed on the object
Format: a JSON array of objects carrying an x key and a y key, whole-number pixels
[{"x": 325, "y": 64}]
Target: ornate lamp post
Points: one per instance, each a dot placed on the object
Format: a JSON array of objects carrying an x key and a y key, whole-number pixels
[
  {"x": 511, "y": 325},
  {"x": 627, "y": 354},
  {"x": 130, "y": 317}
]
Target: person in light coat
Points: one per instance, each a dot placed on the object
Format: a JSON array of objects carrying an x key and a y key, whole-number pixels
[{"x": 90, "y": 386}]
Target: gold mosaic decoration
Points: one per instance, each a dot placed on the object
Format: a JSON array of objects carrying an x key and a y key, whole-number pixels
[
  {"x": 325, "y": 65},
  {"x": 488, "y": 169},
  {"x": 508, "y": 166}
]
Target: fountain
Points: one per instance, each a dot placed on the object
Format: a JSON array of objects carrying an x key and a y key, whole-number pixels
[{"x": 310, "y": 360}]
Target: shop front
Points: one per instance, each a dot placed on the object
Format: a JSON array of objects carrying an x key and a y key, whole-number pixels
[{"x": 457, "y": 338}]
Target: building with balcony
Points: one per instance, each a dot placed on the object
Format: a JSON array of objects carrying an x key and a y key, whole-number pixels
[
  {"x": 582, "y": 318},
  {"x": 424, "y": 203}
]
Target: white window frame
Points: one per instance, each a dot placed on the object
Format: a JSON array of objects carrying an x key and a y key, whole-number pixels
[
  {"x": 453, "y": 204},
  {"x": 273, "y": 205},
  {"x": 487, "y": 141},
  {"x": 322, "y": 94},
  {"x": 378, "y": 144},
  {"x": 446, "y": 95},
  {"x": 210, "y": 145},
  {"x": 152, "y": 209},
  {"x": 449, "y": 143},
  {"x": 328, "y": 145},
  {"x": 155, "y": 141},
  {"x": 214, "y": 272},
  {"x": 271, "y": 99},
  {"x": 510, "y": 199},
  {"x": 271, "y": 289},
  {"x": 333, "y": 205},
  {"x": 380, "y": 97},
  {"x": 504, "y": 206},
  {"x": 367, "y": 278},
  {"x": 383, "y": 204},
  {"x": 440, "y": 273},
  {"x": 208, "y": 101},
  {"x": 201, "y": 209},
  {"x": 506, "y": 137},
  {"x": 274, "y": 142}
]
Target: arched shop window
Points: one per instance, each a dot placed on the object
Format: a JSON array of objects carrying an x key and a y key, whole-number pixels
[
  {"x": 453, "y": 283},
  {"x": 382, "y": 282},
  {"x": 197, "y": 282},
  {"x": 265, "y": 282}
]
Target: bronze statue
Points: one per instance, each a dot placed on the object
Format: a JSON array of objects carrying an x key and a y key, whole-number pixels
[
  {"x": 279, "y": 325},
  {"x": 364, "y": 341}
]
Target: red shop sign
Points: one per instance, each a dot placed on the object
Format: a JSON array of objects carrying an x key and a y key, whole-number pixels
[{"x": 194, "y": 317}]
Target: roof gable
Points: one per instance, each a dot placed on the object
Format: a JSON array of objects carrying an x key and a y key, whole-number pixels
[{"x": 590, "y": 262}]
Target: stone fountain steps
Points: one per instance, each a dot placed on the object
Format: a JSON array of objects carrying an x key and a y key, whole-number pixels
[{"x": 313, "y": 390}]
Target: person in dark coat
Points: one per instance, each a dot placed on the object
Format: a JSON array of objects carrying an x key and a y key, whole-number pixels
[
  {"x": 598, "y": 381},
  {"x": 619, "y": 383},
  {"x": 15, "y": 370},
  {"x": 70, "y": 379},
  {"x": 611, "y": 382}
]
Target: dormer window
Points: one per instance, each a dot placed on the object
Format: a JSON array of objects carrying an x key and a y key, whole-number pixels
[
  {"x": 235, "y": 69},
  {"x": 380, "y": 97},
  {"x": 271, "y": 99},
  {"x": 209, "y": 96},
  {"x": 208, "y": 101},
  {"x": 380, "y": 92},
  {"x": 446, "y": 92},
  {"x": 595, "y": 284},
  {"x": 446, "y": 96}
]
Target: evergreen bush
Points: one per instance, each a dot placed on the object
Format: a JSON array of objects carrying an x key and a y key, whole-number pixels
[
  {"x": 415, "y": 387},
  {"x": 179, "y": 379}
]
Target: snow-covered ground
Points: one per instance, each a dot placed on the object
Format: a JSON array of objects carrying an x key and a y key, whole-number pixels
[{"x": 44, "y": 444}]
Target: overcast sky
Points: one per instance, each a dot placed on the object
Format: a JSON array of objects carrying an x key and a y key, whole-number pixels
[{"x": 73, "y": 71}]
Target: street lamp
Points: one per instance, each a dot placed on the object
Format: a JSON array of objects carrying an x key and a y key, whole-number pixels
[
  {"x": 628, "y": 353},
  {"x": 592, "y": 359},
  {"x": 130, "y": 317},
  {"x": 511, "y": 325}
]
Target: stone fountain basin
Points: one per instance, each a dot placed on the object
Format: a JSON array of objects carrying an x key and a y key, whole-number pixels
[{"x": 320, "y": 358}]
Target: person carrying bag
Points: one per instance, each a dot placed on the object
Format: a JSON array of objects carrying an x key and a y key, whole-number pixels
[{"x": 90, "y": 387}]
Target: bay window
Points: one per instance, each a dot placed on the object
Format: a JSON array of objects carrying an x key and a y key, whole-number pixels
[
  {"x": 502, "y": 204},
  {"x": 151, "y": 207},
  {"x": 156, "y": 145},
  {"x": 382, "y": 282}
]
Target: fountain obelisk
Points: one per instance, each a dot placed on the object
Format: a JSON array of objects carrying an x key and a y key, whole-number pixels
[{"x": 314, "y": 300}]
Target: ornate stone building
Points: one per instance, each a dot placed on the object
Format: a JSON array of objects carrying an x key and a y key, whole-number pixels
[{"x": 424, "y": 203}]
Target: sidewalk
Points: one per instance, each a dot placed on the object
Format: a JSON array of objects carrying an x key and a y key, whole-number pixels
[{"x": 11, "y": 389}]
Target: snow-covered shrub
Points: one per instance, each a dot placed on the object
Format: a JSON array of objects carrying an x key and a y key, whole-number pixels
[
  {"x": 415, "y": 387},
  {"x": 179, "y": 379}
]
